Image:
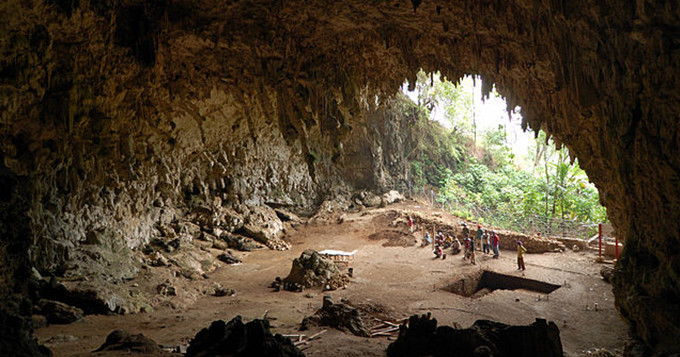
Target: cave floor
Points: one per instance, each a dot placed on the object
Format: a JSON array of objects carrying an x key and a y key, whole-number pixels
[{"x": 400, "y": 281}]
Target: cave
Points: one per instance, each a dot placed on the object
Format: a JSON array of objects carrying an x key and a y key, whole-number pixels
[
  {"x": 486, "y": 281},
  {"x": 119, "y": 117}
]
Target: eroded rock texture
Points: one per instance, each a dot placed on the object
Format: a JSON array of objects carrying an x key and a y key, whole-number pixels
[{"x": 118, "y": 117}]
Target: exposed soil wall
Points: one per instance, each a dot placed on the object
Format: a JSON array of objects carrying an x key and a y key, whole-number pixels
[{"x": 116, "y": 116}]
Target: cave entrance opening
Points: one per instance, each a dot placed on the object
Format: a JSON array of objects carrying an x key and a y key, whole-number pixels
[
  {"x": 484, "y": 282},
  {"x": 474, "y": 158}
]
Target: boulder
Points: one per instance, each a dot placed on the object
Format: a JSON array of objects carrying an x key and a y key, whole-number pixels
[
  {"x": 263, "y": 225},
  {"x": 121, "y": 340},
  {"x": 234, "y": 338},
  {"x": 369, "y": 199},
  {"x": 243, "y": 244},
  {"x": 193, "y": 263},
  {"x": 59, "y": 313},
  {"x": 287, "y": 216},
  {"x": 392, "y": 196},
  {"x": 422, "y": 337},
  {"x": 228, "y": 258},
  {"x": 340, "y": 316}
]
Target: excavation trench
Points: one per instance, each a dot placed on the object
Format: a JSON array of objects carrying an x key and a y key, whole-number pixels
[{"x": 483, "y": 282}]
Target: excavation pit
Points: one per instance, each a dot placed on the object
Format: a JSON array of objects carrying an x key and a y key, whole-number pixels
[{"x": 481, "y": 283}]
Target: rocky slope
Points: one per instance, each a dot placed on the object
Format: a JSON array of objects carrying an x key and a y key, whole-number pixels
[{"x": 120, "y": 117}]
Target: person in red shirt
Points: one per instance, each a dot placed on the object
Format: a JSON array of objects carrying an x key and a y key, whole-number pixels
[{"x": 495, "y": 242}]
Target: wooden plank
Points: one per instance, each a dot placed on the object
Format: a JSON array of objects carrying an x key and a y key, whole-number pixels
[
  {"x": 316, "y": 335},
  {"x": 386, "y": 322},
  {"x": 389, "y": 329},
  {"x": 383, "y": 334}
]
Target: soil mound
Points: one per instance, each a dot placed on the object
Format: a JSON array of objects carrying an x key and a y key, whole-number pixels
[
  {"x": 422, "y": 337},
  {"x": 234, "y": 338},
  {"x": 394, "y": 238},
  {"x": 312, "y": 269}
]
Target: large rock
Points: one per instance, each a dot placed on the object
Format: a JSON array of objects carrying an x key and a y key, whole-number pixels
[
  {"x": 121, "y": 340},
  {"x": 263, "y": 224},
  {"x": 240, "y": 243},
  {"x": 237, "y": 339},
  {"x": 59, "y": 313},
  {"x": 422, "y": 337},
  {"x": 337, "y": 315},
  {"x": 391, "y": 196}
]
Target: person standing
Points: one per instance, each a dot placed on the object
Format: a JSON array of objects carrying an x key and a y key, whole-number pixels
[
  {"x": 520, "y": 255},
  {"x": 410, "y": 224},
  {"x": 466, "y": 231},
  {"x": 486, "y": 242},
  {"x": 495, "y": 243},
  {"x": 472, "y": 252},
  {"x": 480, "y": 234},
  {"x": 466, "y": 244}
]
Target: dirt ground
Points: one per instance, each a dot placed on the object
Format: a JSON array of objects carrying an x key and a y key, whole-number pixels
[{"x": 406, "y": 279}]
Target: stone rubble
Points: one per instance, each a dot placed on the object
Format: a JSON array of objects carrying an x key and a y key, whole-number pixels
[{"x": 312, "y": 269}]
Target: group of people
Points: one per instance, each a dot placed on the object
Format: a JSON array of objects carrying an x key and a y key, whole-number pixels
[{"x": 484, "y": 240}]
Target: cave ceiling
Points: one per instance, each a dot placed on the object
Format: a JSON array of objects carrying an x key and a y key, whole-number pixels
[{"x": 112, "y": 79}]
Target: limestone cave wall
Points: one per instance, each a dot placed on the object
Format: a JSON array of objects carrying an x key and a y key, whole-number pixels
[{"x": 118, "y": 115}]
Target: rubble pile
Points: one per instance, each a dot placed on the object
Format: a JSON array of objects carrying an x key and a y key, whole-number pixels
[
  {"x": 422, "y": 337},
  {"x": 340, "y": 316},
  {"x": 312, "y": 269},
  {"x": 234, "y": 338}
]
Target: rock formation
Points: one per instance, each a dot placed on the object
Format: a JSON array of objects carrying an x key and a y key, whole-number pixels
[
  {"x": 118, "y": 118},
  {"x": 121, "y": 340},
  {"x": 340, "y": 315},
  {"x": 422, "y": 337},
  {"x": 235, "y": 338}
]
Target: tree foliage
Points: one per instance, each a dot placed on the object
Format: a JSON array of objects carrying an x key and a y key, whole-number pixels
[{"x": 480, "y": 180}]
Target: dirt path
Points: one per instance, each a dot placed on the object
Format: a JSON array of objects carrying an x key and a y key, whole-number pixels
[{"x": 404, "y": 280}]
